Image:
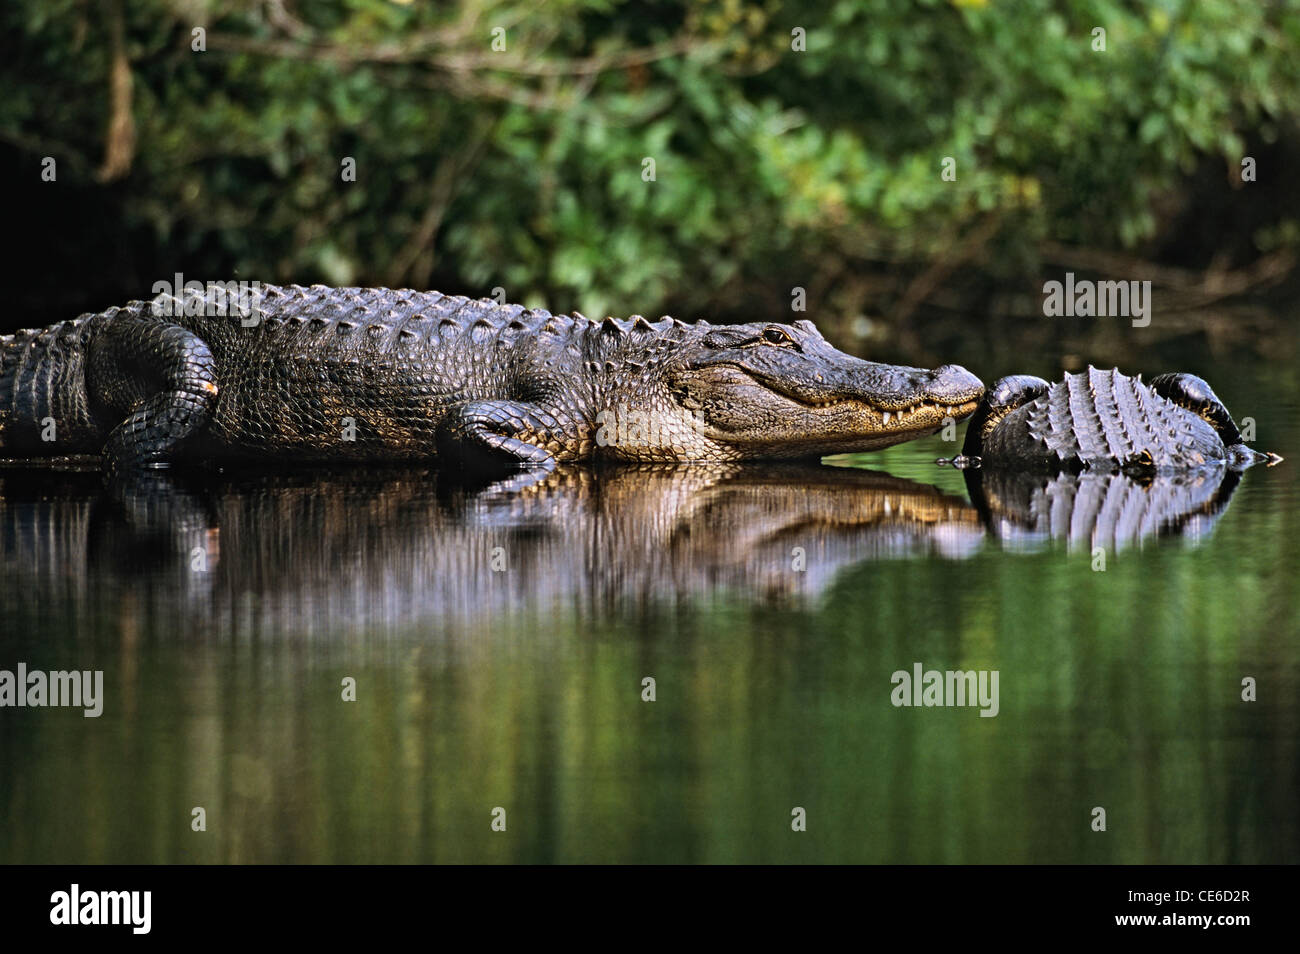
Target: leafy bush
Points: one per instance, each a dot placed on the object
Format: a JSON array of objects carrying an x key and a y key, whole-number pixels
[{"x": 523, "y": 167}]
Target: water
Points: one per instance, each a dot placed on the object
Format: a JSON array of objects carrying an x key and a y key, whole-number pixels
[{"x": 499, "y": 644}]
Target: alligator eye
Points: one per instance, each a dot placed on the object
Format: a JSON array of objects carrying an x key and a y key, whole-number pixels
[{"x": 777, "y": 336}]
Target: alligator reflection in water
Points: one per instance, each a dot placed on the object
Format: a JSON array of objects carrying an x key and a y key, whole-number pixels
[
  {"x": 394, "y": 548},
  {"x": 1093, "y": 509}
]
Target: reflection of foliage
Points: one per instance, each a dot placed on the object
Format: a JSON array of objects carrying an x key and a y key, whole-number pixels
[{"x": 522, "y": 167}]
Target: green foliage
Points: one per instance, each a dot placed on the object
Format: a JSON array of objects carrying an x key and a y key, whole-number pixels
[{"x": 523, "y": 167}]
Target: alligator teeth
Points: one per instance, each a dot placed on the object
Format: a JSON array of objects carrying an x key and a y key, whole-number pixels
[{"x": 886, "y": 417}]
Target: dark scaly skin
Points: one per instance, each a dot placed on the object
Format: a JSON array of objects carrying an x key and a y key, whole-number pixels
[
  {"x": 337, "y": 374},
  {"x": 1106, "y": 421}
]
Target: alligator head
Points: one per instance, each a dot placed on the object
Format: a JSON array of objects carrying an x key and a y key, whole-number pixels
[{"x": 781, "y": 391}]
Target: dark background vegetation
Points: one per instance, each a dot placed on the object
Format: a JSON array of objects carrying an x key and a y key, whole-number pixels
[{"x": 522, "y": 168}]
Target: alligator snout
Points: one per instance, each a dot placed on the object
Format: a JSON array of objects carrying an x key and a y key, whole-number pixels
[{"x": 952, "y": 382}]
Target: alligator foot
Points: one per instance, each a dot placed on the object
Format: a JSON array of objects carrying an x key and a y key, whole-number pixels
[
  {"x": 1002, "y": 398},
  {"x": 162, "y": 379},
  {"x": 492, "y": 435}
]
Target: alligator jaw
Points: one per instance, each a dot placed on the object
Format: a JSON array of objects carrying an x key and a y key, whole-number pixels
[
  {"x": 882, "y": 426},
  {"x": 838, "y": 406},
  {"x": 900, "y": 416},
  {"x": 876, "y": 427},
  {"x": 744, "y": 414}
]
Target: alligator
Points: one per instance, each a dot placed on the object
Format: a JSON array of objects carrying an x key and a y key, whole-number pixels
[
  {"x": 379, "y": 375},
  {"x": 1105, "y": 421}
]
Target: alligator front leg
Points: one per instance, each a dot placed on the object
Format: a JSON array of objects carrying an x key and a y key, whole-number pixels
[
  {"x": 157, "y": 380},
  {"x": 487, "y": 435}
]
